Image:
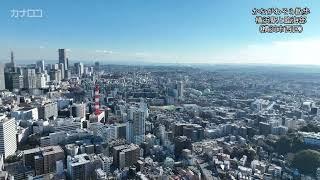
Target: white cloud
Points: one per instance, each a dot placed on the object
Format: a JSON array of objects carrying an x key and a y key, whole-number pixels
[
  {"x": 104, "y": 51},
  {"x": 143, "y": 54}
]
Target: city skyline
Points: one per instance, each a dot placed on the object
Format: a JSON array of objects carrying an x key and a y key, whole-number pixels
[
  {"x": 155, "y": 32},
  {"x": 166, "y": 89}
]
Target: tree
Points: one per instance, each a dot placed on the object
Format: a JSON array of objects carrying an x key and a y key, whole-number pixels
[
  {"x": 310, "y": 128},
  {"x": 306, "y": 161},
  {"x": 250, "y": 153},
  {"x": 239, "y": 152},
  {"x": 283, "y": 145},
  {"x": 289, "y": 143}
]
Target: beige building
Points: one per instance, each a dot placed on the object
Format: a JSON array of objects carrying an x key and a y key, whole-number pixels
[{"x": 43, "y": 159}]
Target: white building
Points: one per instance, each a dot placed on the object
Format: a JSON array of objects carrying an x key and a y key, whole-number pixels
[
  {"x": 81, "y": 166},
  {"x": 79, "y": 68},
  {"x": 106, "y": 163},
  {"x": 40, "y": 65},
  {"x": 8, "y": 138},
  {"x": 108, "y": 132},
  {"x": 258, "y": 165},
  {"x": 2, "y": 81},
  {"x": 180, "y": 89},
  {"x": 136, "y": 124},
  {"x": 100, "y": 174},
  {"x": 1, "y": 162},
  {"x": 41, "y": 81}
]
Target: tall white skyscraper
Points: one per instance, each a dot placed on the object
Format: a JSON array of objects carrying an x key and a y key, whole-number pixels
[
  {"x": 79, "y": 68},
  {"x": 180, "y": 89},
  {"x": 62, "y": 70},
  {"x": 8, "y": 139},
  {"x": 41, "y": 80},
  {"x": 136, "y": 125},
  {"x": 40, "y": 65},
  {"x": 2, "y": 81}
]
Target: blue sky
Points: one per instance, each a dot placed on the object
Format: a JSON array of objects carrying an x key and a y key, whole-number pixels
[{"x": 206, "y": 31}]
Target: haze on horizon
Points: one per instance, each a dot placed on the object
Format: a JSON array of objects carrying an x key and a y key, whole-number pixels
[{"x": 162, "y": 31}]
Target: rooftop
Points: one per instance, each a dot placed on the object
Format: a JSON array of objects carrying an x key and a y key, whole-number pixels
[
  {"x": 80, "y": 159},
  {"x": 44, "y": 150}
]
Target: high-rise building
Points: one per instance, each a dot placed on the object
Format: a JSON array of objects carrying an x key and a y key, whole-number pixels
[
  {"x": 97, "y": 66},
  {"x": 48, "y": 111},
  {"x": 43, "y": 159},
  {"x": 125, "y": 155},
  {"x": 29, "y": 78},
  {"x": 180, "y": 89},
  {"x": 86, "y": 71},
  {"x": 13, "y": 80},
  {"x": 67, "y": 63},
  {"x": 1, "y": 162},
  {"x": 17, "y": 81},
  {"x": 78, "y": 110},
  {"x": 106, "y": 163},
  {"x": 180, "y": 143},
  {"x": 82, "y": 166},
  {"x": 2, "y": 79},
  {"x": 55, "y": 75},
  {"x": 264, "y": 128},
  {"x": 77, "y": 167},
  {"x": 121, "y": 130},
  {"x": 62, "y": 69},
  {"x": 79, "y": 68},
  {"x": 55, "y": 66},
  {"x": 62, "y": 58},
  {"x": 67, "y": 74},
  {"x": 194, "y": 132},
  {"x": 13, "y": 64},
  {"x": 136, "y": 124},
  {"x": 8, "y": 138},
  {"x": 41, "y": 80},
  {"x": 40, "y": 66}
]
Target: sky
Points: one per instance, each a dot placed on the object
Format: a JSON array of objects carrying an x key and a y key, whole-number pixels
[{"x": 155, "y": 31}]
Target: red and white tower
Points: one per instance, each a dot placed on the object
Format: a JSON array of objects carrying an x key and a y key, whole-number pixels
[{"x": 96, "y": 100}]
